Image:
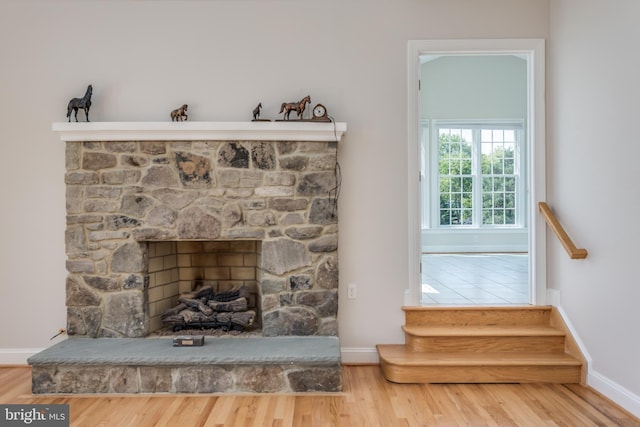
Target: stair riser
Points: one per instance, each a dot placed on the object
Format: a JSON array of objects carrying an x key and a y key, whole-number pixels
[
  {"x": 481, "y": 374},
  {"x": 485, "y": 344},
  {"x": 477, "y": 316}
]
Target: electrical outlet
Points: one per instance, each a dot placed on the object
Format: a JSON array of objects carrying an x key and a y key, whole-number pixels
[{"x": 351, "y": 291}]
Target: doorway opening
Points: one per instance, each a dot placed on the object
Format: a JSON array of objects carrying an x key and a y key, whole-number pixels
[{"x": 476, "y": 142}]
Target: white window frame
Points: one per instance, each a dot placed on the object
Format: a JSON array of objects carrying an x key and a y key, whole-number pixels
[{"x": 430, "y": 203}]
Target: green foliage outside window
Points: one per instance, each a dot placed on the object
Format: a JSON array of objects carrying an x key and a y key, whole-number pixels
[{"x": 456, "y": 181}]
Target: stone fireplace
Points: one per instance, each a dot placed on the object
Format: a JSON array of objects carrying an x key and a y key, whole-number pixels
[
  {"x": 155, "y": 210},
  {"x": 151, "y": 206}
]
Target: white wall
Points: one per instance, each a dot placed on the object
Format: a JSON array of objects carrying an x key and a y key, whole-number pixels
[
  {"x": 474, "y": 87},
  {"x": 592, "y": 163},
  {"x": 144, "y": 58}
]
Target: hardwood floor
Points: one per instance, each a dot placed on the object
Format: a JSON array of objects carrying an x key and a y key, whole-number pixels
[{"x": 368, "y": 400}]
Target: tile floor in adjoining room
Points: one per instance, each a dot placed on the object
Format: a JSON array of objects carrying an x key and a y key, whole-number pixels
[{"x": 475, "y": 279}]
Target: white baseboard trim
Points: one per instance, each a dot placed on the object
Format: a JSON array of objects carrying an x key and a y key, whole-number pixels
[
  {"x": 615, "y": 392},
  {"x": 576, "y": 337},
  {"x": 603, "y": 385},
  {"x": 359, "y": 355},
  {"x": 17, "y": 356}
]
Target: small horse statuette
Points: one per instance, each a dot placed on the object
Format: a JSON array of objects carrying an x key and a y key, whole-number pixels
[
  {"x": 298, "y": 107},
  {"x": 179, "y": 113},
  {"x": 256, "y": 112},
  {"x": 77, "y": 103}
]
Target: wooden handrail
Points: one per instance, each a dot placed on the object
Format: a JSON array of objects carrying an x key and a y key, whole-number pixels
[{"x": 557, "y": 228}]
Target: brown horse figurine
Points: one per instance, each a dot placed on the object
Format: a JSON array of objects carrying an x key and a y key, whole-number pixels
[
  {"x": 298, "y": 107},
  {"x": 180, "y": 113}
]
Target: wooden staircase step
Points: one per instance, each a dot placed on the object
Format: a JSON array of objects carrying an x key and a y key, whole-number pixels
[
  {"x": 402, "y": 365},
  {"x": 472, "y": 344},
  {"x": 483, "y": 330},
  {"x": 477, "y": 315},
  {"x": 484, "y": 344},
  {"x": 398, "y": 353},
  {"x": 484, "y": 338}
]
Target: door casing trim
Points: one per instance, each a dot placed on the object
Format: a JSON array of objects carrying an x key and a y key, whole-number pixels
[{"x": 534, "y": 50}]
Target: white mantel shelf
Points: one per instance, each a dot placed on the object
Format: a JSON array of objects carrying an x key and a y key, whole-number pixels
[{"x": 200, "y": 131}]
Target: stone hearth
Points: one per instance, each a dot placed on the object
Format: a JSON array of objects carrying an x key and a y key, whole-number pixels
[
  {"x": 221, "y": 365},
  {"x": 134, "y": 189}
]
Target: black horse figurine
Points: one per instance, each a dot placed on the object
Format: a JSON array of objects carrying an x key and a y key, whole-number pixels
[
  {"x": 77, "y": 103},
  {"x": 256, "y": 112}
]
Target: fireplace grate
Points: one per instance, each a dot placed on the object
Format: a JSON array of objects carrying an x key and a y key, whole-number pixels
[
  {"x": 226, "y": 327},
  {"x": 206, "y": 309}
]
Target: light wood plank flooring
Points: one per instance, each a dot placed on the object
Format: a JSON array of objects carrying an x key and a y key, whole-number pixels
[{"x": 367, "y": 400}]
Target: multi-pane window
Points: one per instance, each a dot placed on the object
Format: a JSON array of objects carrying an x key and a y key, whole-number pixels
[
  {"x": 478, "y": 179},
  {"x": 498, "y": 176},
  {"x": 455, "y": 165}
]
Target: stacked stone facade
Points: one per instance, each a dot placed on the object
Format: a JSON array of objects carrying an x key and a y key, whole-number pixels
[{"x": 122, "y": 195}]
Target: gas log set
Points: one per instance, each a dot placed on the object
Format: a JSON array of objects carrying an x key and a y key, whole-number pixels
[{"x": 206, "y": 309}]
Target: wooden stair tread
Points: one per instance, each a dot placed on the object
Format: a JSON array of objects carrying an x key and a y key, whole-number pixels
[
  {"x": 482, "y": 331},
  {"x": 477, "y": 308},
  {"x": 477, "y": 315},
  {"x": 397, "y": 354}
]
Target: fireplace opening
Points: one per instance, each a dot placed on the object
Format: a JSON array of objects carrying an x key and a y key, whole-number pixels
[{"x": 204, "y": 287}]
